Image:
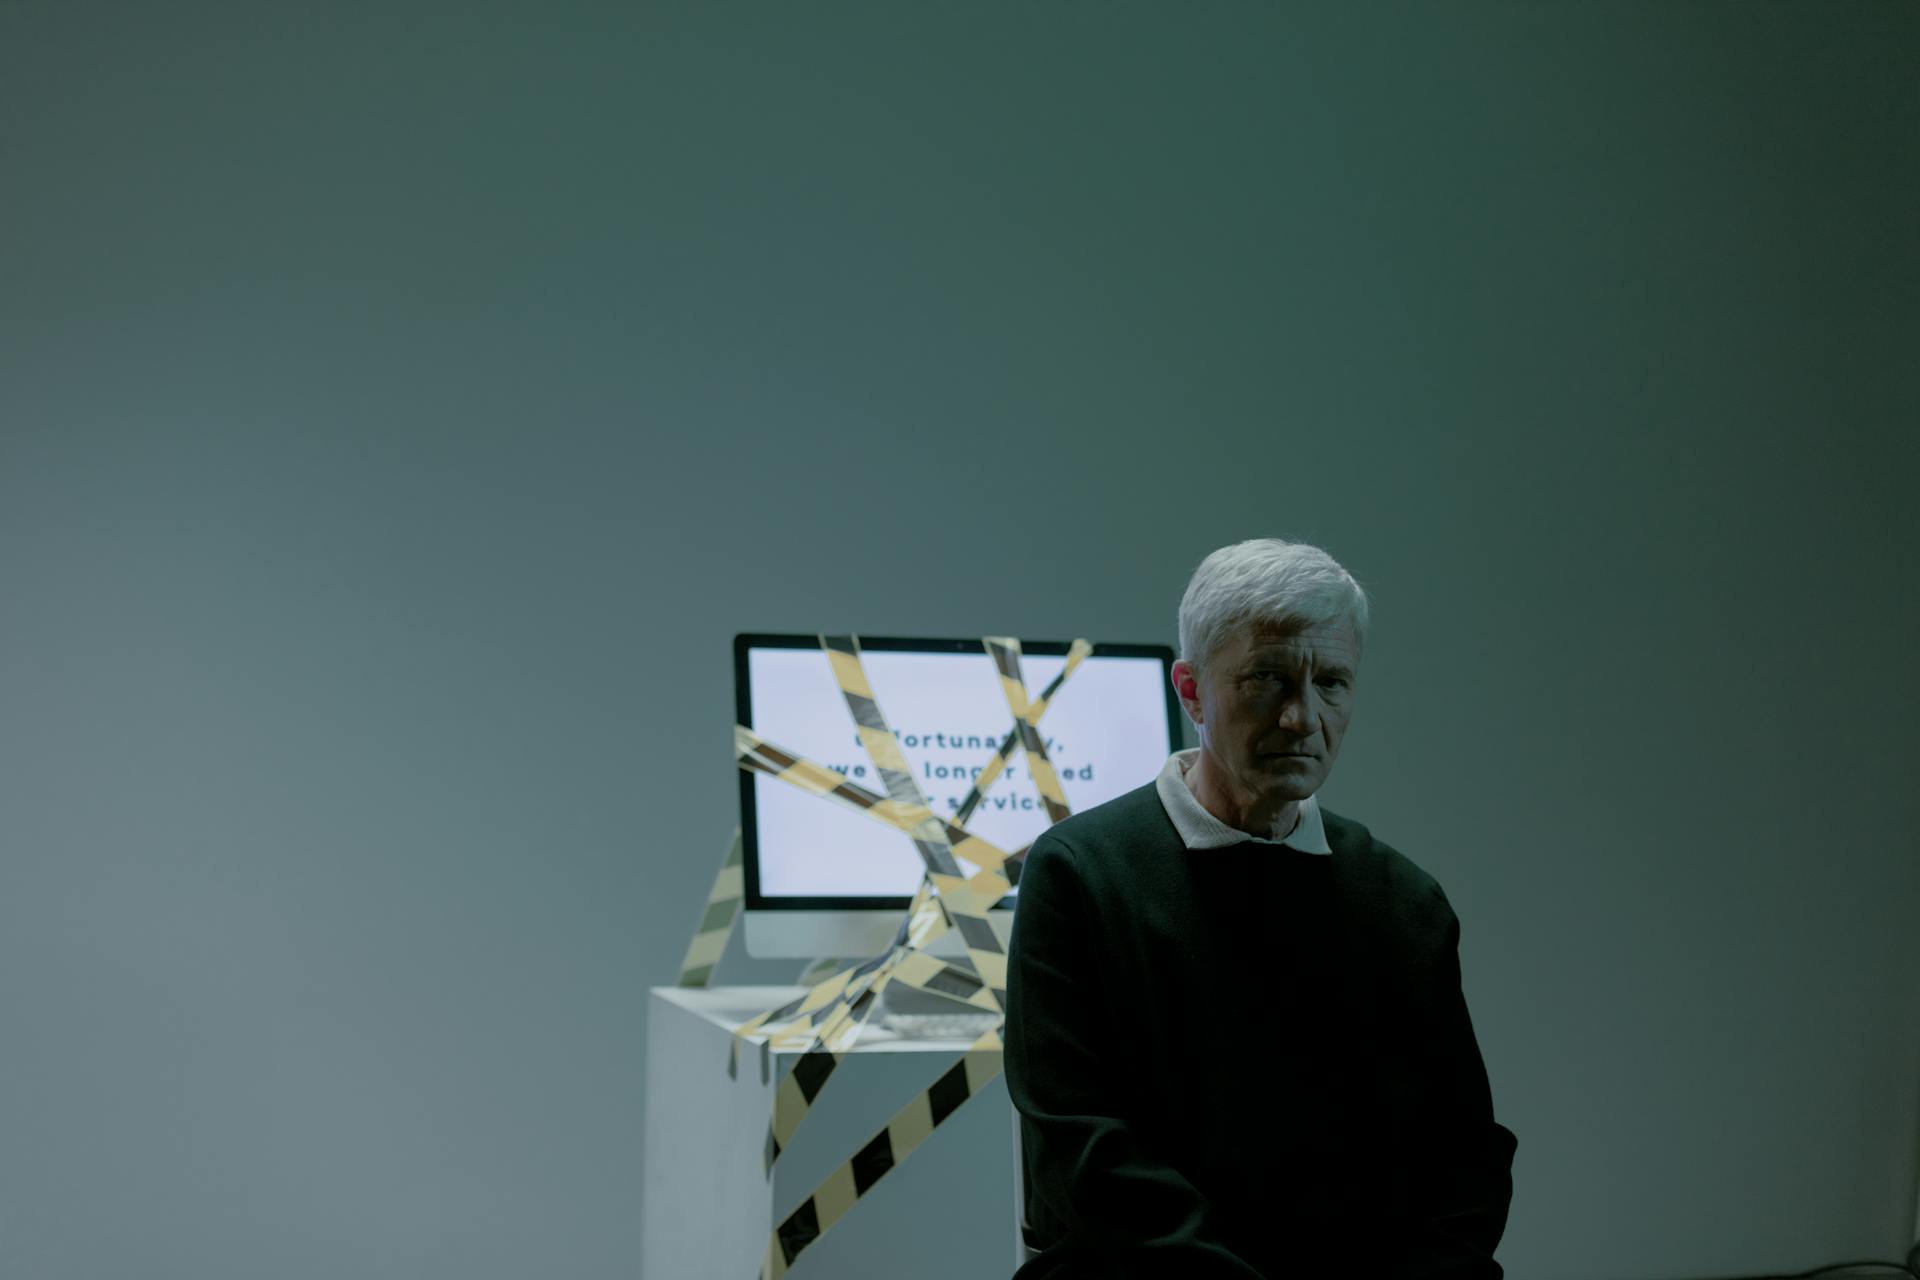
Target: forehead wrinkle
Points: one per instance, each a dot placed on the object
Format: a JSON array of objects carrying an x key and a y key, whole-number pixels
[
  {"x": 1296, "y": 649},
  {"x": 1291, "y": 652}
]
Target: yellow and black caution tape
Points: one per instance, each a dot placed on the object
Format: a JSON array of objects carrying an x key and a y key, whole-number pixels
[
  {"x": 966, "y": 899},
  {"x": 842, "y": 1189},
  {"x": 788, "y": 1026},
  {"x": 810, "y": 1008},
  {"x": 1076, "y": 652},
  {"x": 716, "y": 925},
  {"x": 931, "y": 974},
  {"x": 911, "y": 968},
  {"x": 755, "y": 753},
  {"x": 794, "y": 1095},
  {"x": 818, "y": 968},
  {"x": 925, "y": 920},
  {"x": 823, "y": 1049},
  {"x": 826, "y": 1020},
  {"x": 965, "y": 902},
  {"x": 1005, "y": 652}
]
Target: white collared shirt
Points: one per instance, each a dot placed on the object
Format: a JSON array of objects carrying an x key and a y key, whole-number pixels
[{"x": 1201, "y": 830}]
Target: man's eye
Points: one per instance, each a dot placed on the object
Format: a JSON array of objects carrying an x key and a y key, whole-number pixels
[{"x": 1333, "y": 680}]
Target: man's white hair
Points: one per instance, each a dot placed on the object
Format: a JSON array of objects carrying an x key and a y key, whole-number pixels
[{"x": 1266, "y": 580}]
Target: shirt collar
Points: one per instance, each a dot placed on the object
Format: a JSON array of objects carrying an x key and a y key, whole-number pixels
[{"x": 1201, "y": 830}]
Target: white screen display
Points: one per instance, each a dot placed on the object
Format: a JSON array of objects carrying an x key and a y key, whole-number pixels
[{"x": 1106, "y": 733}]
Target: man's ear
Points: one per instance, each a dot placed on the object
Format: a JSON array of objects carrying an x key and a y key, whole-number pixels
[{"x": 1186, "y": 684}]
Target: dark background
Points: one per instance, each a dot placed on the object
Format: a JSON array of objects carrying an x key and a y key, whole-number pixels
[{"x": 401, "y": 407}]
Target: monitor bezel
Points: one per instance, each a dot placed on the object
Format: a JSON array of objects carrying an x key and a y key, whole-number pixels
[{"x": 743, "y": 714}]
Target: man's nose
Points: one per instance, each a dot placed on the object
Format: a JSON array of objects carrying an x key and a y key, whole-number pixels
[{"x": 1297, "y": 714}]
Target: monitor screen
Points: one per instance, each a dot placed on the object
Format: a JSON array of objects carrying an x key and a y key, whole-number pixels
[{"x": 1108, "y": 730}]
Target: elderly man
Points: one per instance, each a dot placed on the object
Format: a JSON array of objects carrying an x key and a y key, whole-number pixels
[{"x": 1235, "y": 1032}]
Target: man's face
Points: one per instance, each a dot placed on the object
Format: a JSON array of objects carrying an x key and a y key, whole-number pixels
[{"x": 1272, "y": 706}]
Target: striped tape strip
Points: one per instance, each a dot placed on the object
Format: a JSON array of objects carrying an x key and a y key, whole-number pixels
[
  {"x": 755, "y": 754},
  {"x": 957, "y": 892},
  {"x": 825, "y": 1022},
  {"x": 819, "y": 967},
  {"x": 935, "y": 976},
  {"x": 964, "y": 899},
  {"x": 794, "y": 1096},
  {"x": 883, "y": 748},
  {"x": 1005, "y": 652},
  {"x": 843, "y": 655},
  {"x": 839, "y": 1024},
  {"x": 884, "y": 1152},
  {"x": 809, "y": 1008},
  {"x": 925, "y": 920},
  {"x": 908, "y": 966},
  {"x": 716, "y": 925},
  {"x": 1076, "y": 652}
]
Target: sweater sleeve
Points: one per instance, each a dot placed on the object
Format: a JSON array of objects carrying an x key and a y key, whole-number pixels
[
  {"x": 1122, "y": 1208},
  {"x": 1463, "y": 1181}
]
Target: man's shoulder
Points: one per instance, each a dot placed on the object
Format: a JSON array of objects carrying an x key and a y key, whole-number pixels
[
  {"x": 1353, "y": 840},
  {"x": 1346, "y": 835},
  {"x": 1135, "y": 816},
  {"x": 1136, "y": 822}
]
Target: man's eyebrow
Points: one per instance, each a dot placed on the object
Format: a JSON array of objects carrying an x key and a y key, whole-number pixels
[{"x": 1287, "y": 659}]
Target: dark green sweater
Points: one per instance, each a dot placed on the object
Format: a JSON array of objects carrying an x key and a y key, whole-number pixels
[{"x": 1248, "y": 1061}]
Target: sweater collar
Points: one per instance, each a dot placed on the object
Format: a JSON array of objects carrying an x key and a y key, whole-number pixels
[{"x": 1201, "y": 830}]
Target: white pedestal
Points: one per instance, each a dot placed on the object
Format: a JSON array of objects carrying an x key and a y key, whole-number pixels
[{"x": 707, "y": 1211}]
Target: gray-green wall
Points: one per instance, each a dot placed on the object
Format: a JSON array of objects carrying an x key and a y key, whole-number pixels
[{"x": 403, "y": 406}]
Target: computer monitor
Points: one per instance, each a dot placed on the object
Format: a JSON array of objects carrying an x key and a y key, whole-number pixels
[{"x": 825, "y": 880}]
